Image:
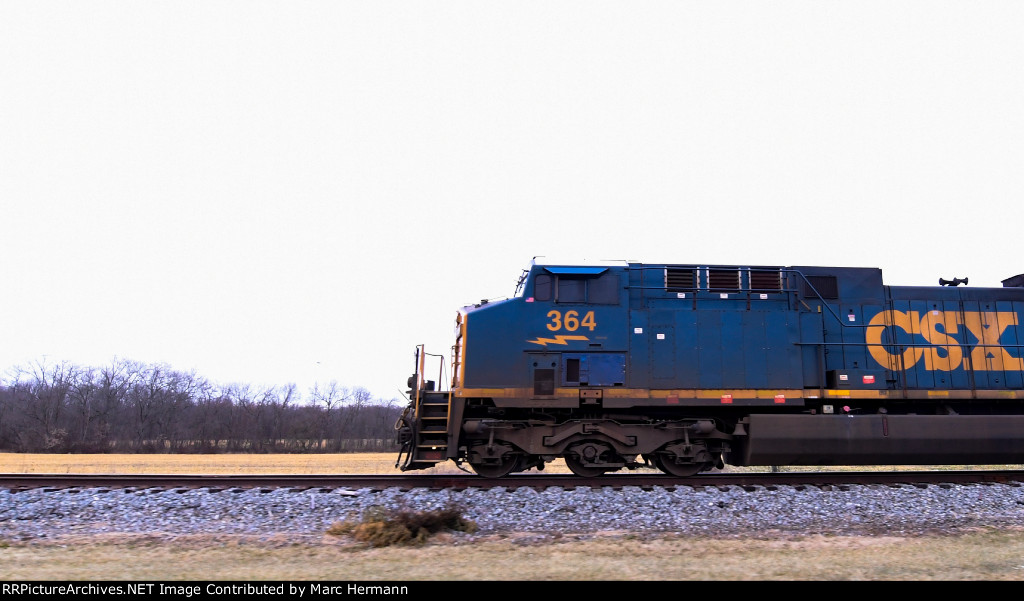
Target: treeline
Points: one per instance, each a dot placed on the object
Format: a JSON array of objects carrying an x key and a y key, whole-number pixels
[{"x": 130, "y": 407}]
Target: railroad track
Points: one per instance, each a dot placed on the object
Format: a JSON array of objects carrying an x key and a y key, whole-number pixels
[{"x": 18, "y": 482}]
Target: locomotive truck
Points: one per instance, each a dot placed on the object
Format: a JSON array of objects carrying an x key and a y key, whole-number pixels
[{"x": 687, "y": 367}]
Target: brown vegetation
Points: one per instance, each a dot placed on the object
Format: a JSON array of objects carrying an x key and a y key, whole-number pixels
[
  {"x": 130, "y": 407},
  {"x": 382, "y": 527}
]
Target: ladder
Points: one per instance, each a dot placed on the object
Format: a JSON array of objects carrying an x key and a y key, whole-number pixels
[
  {"x": 426, "y": 440},
  {"x": 430, "y": 431}
]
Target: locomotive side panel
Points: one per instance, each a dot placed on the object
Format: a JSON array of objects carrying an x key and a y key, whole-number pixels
[
  {"x": 688, "y": 367},
  {"x": 702, "y": 328},
  {"x": 951, "y": 339}
]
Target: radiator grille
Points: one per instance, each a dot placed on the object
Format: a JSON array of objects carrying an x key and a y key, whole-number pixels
[
  {"x": 723, "y": 279},
  {"x": 680, "y": 280},
  {"x": 763, "y": 279}
]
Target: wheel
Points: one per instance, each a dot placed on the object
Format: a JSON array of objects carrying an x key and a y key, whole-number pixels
[
  {"x": 592, "y": 458},
  {"x": 503, "y": 467},
  {"x": 584, "y": 471},
  {"x": 667, "y": 464}
]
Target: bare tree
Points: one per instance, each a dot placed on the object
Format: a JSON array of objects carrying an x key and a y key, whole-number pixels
[
  {"x": 282, "y": 412},
  {"x": 331, "y": 398},
  {"x": 41, "y": 394},
  {"x": 83, "y": 400},
  {"x": 352, "y": 427},
  {"x": 246, "y": 417},
  {"x": 130, "y": 406}
]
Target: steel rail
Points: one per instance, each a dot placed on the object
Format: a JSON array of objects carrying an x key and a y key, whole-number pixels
[{"x": 15, "y": 482}]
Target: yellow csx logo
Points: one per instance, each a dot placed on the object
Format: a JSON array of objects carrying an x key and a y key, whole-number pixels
[{"x": 946, "y": 353}]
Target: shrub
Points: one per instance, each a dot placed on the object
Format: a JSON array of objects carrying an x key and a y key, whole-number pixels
[{"x": 382, "y": 528}]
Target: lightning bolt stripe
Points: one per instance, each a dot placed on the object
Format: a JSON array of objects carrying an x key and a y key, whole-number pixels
[{"x": 560, "y": 339}]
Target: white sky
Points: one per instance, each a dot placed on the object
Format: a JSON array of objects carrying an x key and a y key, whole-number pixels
[{"x": 275, "y": 192}]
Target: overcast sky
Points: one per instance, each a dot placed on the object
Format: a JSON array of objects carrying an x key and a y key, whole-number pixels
[{"x": 299, "y": 191}]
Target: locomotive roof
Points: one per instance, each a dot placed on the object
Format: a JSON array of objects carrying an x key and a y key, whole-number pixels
[{"x": 590, "y": 266}]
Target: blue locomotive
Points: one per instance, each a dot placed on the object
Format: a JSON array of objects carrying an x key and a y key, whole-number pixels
[{"x": 690, "y": 367}]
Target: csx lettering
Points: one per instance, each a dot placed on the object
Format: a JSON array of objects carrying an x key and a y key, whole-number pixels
[
  {"x": 946, "y": 353},
  {"x": 571, "y": 321}
]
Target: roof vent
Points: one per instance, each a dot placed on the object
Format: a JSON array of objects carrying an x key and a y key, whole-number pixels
[{"x": 1016, "y": 281}]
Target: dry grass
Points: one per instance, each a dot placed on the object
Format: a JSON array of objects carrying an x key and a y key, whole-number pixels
[
  {"x": 340, "y": 463},
  {"x": 356, "y": 463},
  {"x": 383, "y": 528},
  {"x": 981, "y": 555}
]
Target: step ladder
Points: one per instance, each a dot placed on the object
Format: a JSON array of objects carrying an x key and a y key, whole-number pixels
[
  {"x": 430, "y": 431},
  {"x": 424, "y": 424}
]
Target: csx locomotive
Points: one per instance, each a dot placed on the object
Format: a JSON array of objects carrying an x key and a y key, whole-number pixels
[{"x": 690, "y": 367}]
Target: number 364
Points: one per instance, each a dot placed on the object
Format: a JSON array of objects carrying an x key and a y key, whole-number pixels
[{"x": 571, "y": 321}]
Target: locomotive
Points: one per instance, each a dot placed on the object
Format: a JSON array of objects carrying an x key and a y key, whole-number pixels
[{"x": 686, "y": 368}]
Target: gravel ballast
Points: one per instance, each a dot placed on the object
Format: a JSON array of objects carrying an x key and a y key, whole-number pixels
[{"x": 40, "y": 514}]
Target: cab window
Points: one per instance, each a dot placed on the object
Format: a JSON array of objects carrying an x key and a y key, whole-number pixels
[
  {"x": 573, "y": 288},
  {"x": 542, "y": 287}
]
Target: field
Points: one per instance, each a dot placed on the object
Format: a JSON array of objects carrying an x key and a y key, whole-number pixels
[
  {"x": 312, "y": 463},
  {"x": 982, "y": 555},
  {"x": 341, "y": 463},
  {"x": 355, "y": 463}
]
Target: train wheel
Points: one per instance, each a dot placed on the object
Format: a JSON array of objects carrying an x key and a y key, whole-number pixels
[
  {"x": 495, "y": 459},
  {"x": 666, "y": 463},
  {"x": 497, "y": 469},
  {"x": 577, "y": 467},
  {"x": 589, "y": 459}
]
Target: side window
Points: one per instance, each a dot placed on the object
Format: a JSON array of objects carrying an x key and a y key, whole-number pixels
[
  {"x": 604, "y": 290},
  {"x": 542, "y": 288},
  {"x": 572, "y": 290}
]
